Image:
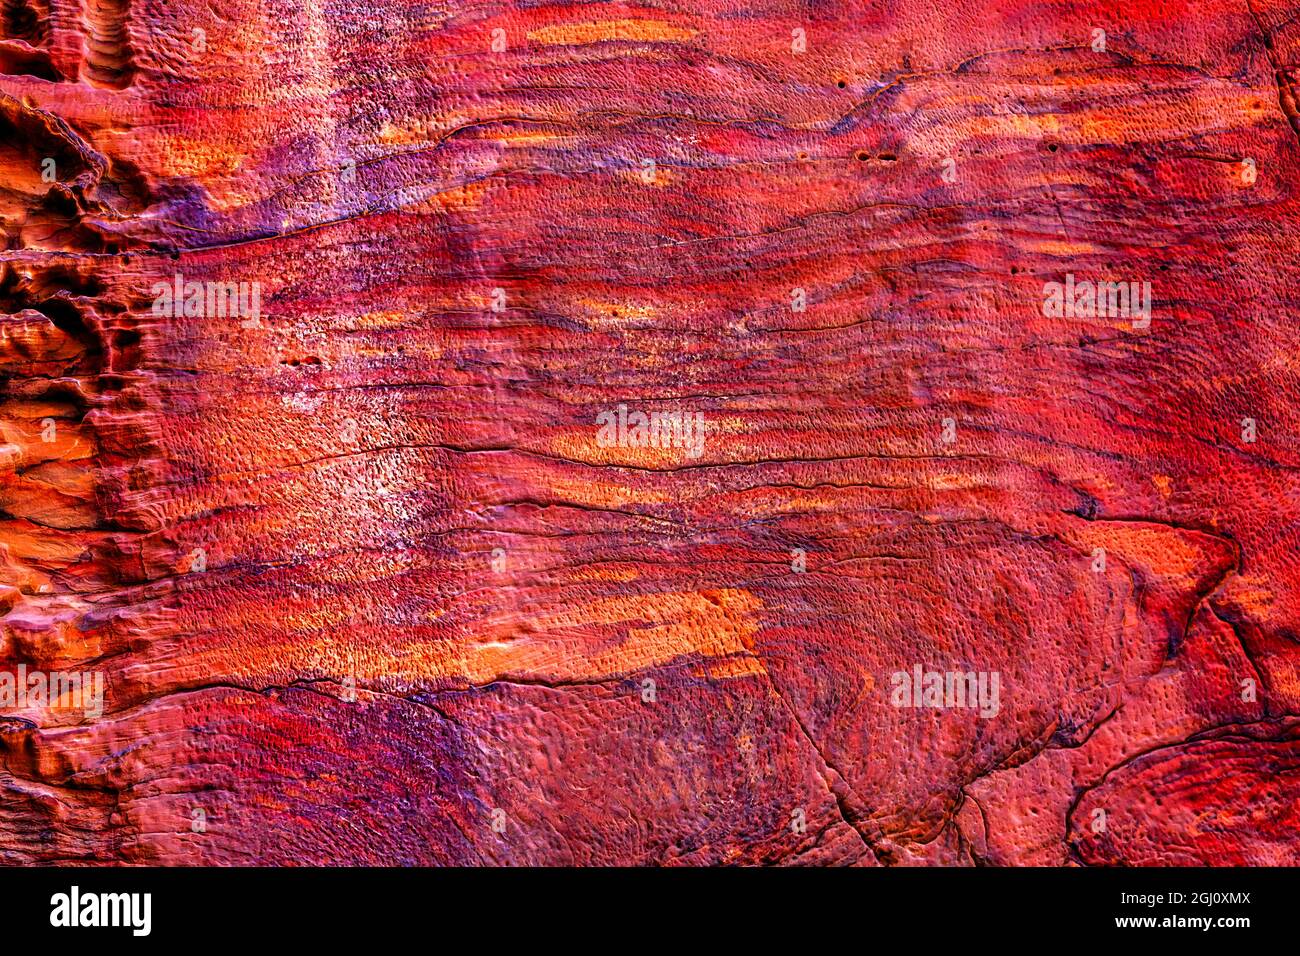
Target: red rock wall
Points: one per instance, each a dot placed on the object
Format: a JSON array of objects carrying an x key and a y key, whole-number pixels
[{"x": 364, "y": 580}]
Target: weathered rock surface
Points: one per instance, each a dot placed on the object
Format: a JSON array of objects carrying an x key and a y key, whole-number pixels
[{"x": 366, "y": 585}]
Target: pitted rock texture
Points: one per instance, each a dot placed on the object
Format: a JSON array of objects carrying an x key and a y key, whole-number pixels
[{"x": 366, "y": 584}]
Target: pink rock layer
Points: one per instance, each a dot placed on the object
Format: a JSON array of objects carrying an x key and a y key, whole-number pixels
[{"x": 368, "y": 576}]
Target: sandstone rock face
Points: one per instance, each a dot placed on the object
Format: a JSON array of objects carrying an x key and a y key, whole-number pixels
[{"x": 375, "y": 563}]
